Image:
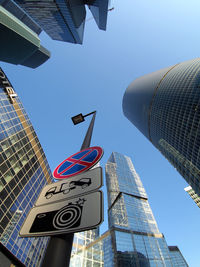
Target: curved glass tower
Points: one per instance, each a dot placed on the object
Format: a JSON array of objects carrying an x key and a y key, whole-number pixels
[
  {"x": 24, "y": 171},
  {"x": 165, "y": 107}
]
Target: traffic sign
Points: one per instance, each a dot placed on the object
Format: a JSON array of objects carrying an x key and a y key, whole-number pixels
[
  {"x": 74, "y": 215},
  {"x": 74, "y": 186},
  {"x": 78, "y": 163}
]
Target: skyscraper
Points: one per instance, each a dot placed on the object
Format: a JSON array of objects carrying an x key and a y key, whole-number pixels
[
  {"x": 65, "y": 20},
  {"x": 133, "y": 238},
  {"x": 23, "y": 173},
  {"x": 19, "y": 43},
  {"x": 136, "y": 240},
  {"x": 165, "y": 107}
]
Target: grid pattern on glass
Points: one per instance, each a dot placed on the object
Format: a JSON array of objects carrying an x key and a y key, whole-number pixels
[
  {"x": 97, "y": 253},
  {"x": 56, "y": 18},
  {"x": 132, "y": 248},
  {"x": 23, "y": 175},
  {"x": 175, "y": 120},
  {"x": 177, "y": 258},
  {"x": 122, "y": 176},
  {"x": 127, "y": 199},
  {"x": 137, "y": 238}
]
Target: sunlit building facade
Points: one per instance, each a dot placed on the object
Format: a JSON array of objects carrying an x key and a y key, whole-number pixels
[
  {"x": 79, "y": 255},
  {"x": 136, "y": 239},
  {"x": 165, "y": 107},
  {"x": 193, "y": 195},
  {"x": 23, "y": 173},
  {"x": 177, "y": 257}
]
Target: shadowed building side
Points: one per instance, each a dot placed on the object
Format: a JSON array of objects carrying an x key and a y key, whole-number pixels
[
  {"x": 165, "y": 107},
  {"x": 19, "y": 44},
  {"x": 65, "y": 20}
]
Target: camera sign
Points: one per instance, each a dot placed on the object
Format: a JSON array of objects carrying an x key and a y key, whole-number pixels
[
  {"x": 75, "y": 215},
  {"x": 71, "y": 187}
]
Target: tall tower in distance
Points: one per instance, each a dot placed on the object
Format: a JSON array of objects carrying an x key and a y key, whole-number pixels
[
  {"x": 133, "y": 238},
  {"x": 136, "y": 240},
  {"x": 165, "y": 107}
]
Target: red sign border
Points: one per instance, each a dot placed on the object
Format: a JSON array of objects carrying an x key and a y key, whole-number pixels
[{"x": 99, "y": 156}]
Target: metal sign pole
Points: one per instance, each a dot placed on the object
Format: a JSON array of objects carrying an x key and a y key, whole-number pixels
[{"x": 59, "y": 248}]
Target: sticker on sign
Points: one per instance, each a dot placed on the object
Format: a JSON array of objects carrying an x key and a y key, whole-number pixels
[
  {"x": 71, "y": 187},
  {"x": 75, "y": 215}
]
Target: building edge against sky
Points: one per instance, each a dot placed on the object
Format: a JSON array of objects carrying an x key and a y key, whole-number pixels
[
  {"x": 24, "y": 171},
  {"x": 65, "y": 20},
  {"x": 165, "y": 107}
]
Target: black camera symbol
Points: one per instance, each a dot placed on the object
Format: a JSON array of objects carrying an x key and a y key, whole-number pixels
[{"x": 67, "y": 217}]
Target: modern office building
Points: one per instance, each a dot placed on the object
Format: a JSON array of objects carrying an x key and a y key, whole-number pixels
[
  {"x": 19, "y": 13},
  {"x": 165, "y": 107},
  {"x": 65, "y": 20},
  {"x": 193, "y": 195},
  {"x": 23, "y": 173},
  {"x": 19, "y": 44},
  {"x": 98, "y": 253},
  {"x": 133, "y": 238},
  {"x": 136, "y": 238},
  {"x": 177, "y": 257},
  {"x": 80, "y": 242}
]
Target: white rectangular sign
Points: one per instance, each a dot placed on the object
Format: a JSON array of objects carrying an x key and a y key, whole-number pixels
[
  {"x": 71, "y": 187},
  {"x": 67, "y": 216}
]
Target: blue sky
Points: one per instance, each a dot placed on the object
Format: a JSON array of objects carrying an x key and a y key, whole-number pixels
[{"x": 141, "y": 37}]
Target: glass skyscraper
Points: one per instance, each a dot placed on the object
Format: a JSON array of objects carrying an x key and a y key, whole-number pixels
[
  {"x": 165, "y": 107},
  {"x": 133, "y": 238},
  {"x": 177, "y": 257},
  {"x": 136, "y": 239},
  {"x": 23, "y": 173},
  {"x": 65, "y": 20}
]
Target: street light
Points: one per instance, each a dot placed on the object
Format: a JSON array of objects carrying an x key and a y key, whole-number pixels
[
  {"x": 59, "y": 248},
  {"x": 80, "y": 118}
]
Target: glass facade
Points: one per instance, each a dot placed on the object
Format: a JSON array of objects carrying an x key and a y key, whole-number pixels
[
  {"x": 177, "y": 257},
  {"x": 65, "y": 20},
  {"x": 133, "y": 238},
  {"x": 81, "y": 255},
  {"x": 193, "y": 195},
  {"x": 168, "y": 114},
  {"x": 19, "y": 13},
  {"x": 136, "y": 239},
  {"x": 23, "y": 173}
]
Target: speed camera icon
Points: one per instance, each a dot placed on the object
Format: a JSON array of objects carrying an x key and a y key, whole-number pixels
[{"x": 67, "y": 217}]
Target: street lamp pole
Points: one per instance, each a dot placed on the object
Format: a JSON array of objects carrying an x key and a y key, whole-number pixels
[{"x": 59, "y": 248}]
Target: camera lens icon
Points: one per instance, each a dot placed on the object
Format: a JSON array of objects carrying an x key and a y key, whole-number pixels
[{"x": 69, "y": 216}]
